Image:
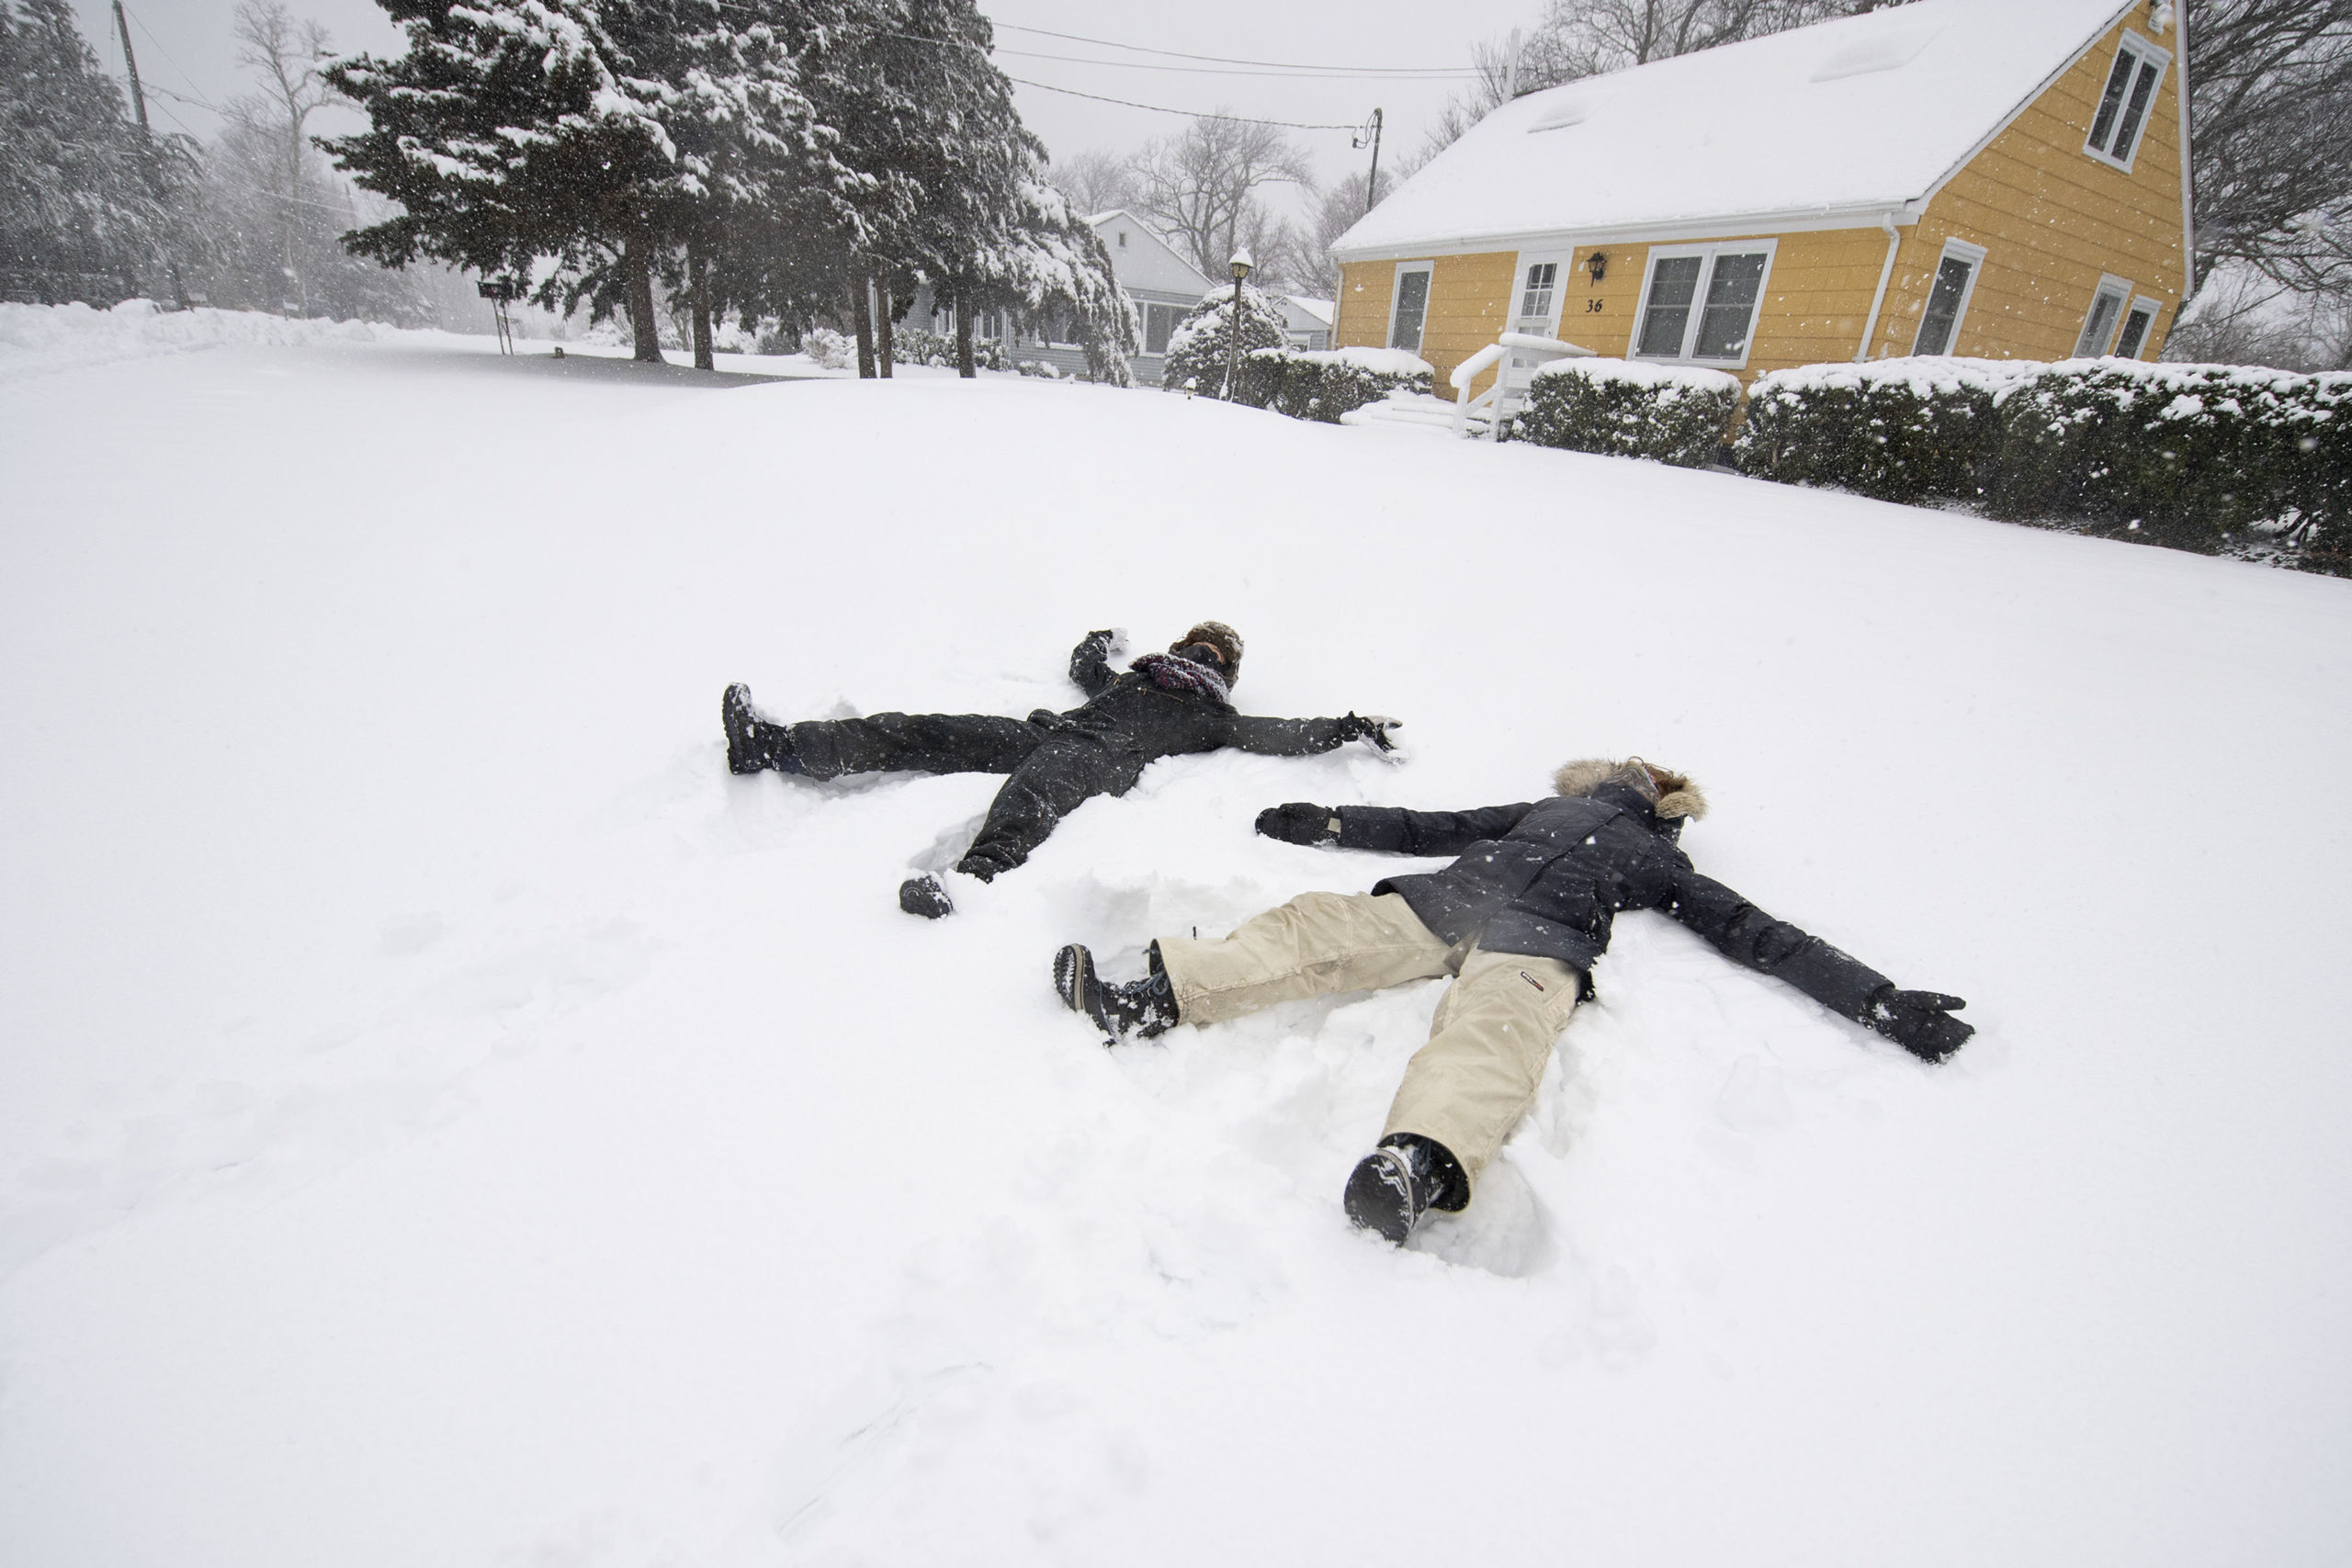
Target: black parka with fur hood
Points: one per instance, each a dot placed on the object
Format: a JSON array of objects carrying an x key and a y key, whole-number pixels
[{"x": 1547, "y": 878}]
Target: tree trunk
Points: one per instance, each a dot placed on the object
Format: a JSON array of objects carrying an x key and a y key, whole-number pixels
[
  {"x": 861, "y": 313},
  {"x": 647, "y": 326},
  {"x": 963, "y": 366},
  {"x": 698, "y": 301},
  {"x": 886, "y": 345}
]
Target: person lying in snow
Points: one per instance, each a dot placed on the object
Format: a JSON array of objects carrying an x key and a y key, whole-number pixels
[
  {"x": 1518, "y": 920},
  {"x": 1165, "y": 704}
]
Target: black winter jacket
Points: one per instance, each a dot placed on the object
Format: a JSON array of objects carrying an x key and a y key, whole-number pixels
[
  {"x": 1547, "y": 878},
  {"x": 1129, "y": 713}
]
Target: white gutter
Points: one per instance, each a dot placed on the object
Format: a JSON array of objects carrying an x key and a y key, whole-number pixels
[
  {"x": 1878, "y": 301},
  {"x": 1735, "y": 225}
]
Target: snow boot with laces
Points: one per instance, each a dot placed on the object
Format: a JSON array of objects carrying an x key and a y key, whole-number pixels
[
  {"x": 752, "y": 742},
  {"x": 1139, "y": 1007},
  {"x": 1405, "y": 1177}
]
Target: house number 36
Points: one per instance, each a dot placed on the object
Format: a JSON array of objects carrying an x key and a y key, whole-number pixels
[{"x": 1590, "y": 306}]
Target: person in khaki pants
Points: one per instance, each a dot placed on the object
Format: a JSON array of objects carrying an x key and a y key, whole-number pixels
[{"x": 1517, "y": 919}]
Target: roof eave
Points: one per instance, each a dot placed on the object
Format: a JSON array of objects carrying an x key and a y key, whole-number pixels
[{"x": 1728, "y": 225}]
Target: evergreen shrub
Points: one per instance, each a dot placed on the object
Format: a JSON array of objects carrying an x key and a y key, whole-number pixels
[
  {"x": 1323, "y": 384},
  {"x": 1670, "y": 413},
  {"x": 1197, "y": 353},
  {"x": 1906, "y": 430},
  {"x": 2221, "y": 459}
]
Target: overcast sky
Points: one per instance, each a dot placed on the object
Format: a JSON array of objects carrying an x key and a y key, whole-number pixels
[{"x": 185, "y": 50}]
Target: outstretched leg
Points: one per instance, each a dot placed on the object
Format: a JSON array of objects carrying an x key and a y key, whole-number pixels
[
  {"x": 882, "y": 742},
  {"x": 1317, "y": 944},
  {"x": 1053, "y": 780},
  {"x": 1469, "y": 1086}
]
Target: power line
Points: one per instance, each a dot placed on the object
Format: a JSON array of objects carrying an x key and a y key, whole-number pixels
[
  {"x": 1188, "y": 113},
  {"x": 1226, "y": 59},
  {"x": 1306, "y": 73}
]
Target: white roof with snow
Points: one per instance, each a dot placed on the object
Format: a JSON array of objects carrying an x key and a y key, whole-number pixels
[{"x": 1858, "y": 116}]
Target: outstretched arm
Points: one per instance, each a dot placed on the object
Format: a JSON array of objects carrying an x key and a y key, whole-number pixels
[
  {"x": 1390, "y": 828},
  {"x": 1308, "y": 736},
  {"x": 1919, "y": 1022},
  {"x": 1090, "y": 662}
]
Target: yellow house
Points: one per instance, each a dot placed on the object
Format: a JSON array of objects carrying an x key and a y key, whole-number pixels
[{"x": 2002, "y": 178}]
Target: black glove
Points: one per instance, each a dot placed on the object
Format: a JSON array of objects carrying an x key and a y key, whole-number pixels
[
  {"x": 1356, "y": 727},
  {"x": 1300, "y": 823},
  {"x": 1919, "y": 1022}
]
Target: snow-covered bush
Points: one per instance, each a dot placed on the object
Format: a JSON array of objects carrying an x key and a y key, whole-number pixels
[
  {"x": 1671, "y": 413},
  {"x": 1906, "y": 430},
  {"x": 2211, "y": 457},
  {"x": 826, "y": 347},
  {"x": 1323, "y": 384},
  {"x": 1198, "y": 350}
]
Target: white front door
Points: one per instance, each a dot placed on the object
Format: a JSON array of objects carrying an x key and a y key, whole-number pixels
[{"x": 1542, "y": 284}]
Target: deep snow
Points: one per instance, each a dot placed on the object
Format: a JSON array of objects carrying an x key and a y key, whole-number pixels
[{"x": 449, "y": 1120}]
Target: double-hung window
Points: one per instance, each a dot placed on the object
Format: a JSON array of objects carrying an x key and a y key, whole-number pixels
[
  {"x": 2100, "y": 321},
  {"x": 1947, "y": 297},
  {"x": 2127, "y": 100},
  {"x": 2137, "y": 322},
  {"x": 1409, "y": 313},
  {"x": 1700, "y": 302},
  {"x": 1159, "y": 325}
]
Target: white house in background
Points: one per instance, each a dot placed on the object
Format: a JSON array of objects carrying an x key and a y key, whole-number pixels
[
  {"x": 1306, "y": 323},
  {"x": 1161, "y": 285}
]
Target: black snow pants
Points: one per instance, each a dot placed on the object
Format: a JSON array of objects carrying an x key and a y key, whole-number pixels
[{"x": 1054, "y": 769}]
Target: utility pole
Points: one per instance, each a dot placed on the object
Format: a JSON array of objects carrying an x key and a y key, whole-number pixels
[
  {"x": 1372, "y": 183},
  {"x": 130, "y": 62}
]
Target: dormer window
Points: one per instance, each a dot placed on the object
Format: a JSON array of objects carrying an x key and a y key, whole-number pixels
[{"x": 2124, "y": 106}]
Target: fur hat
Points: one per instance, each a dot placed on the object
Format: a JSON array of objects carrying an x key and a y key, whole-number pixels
[
  {"x": 1677, "y": 795},
  {"x": 1222, "y": 637}
]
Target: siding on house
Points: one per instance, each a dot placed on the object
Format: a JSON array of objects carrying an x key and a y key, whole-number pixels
[{"x": 2053, "y": 219}]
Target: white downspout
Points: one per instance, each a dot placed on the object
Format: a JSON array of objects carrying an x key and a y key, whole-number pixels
[
  {"x": 2188, "y": 181},
  {"x": 1885, "y": 273}
]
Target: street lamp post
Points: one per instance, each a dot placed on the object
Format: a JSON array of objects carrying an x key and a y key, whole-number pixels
[{"x": 1242, "y": 265}]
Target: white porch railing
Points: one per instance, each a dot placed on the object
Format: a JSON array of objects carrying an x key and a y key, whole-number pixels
[{"x": 1516, "y": 357}]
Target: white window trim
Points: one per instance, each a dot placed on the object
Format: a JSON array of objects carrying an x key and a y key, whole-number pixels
[
  {"x": 1974, "y": 257},
  {"x": 2107, "y": 284},
  {"x": 1561, "y": 280},
  {"x": 2155, "y": 309},
  {"x": 1396, "y": 290},
  {"x": 2161, "y": 58},
  {"x": 1768, "y": 248}
]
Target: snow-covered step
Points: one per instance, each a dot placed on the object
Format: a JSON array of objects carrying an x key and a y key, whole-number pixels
[{"x": 1415, "y": 408}]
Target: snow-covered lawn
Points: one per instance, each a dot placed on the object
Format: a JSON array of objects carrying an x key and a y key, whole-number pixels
[{"x": 446, "y": 1119}]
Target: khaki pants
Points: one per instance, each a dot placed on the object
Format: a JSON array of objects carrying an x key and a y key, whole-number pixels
[{"x": 1469, "y": 1086}]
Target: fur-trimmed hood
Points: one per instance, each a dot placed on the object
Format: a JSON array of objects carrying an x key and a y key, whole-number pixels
[{"x": 1677, "y": 795}]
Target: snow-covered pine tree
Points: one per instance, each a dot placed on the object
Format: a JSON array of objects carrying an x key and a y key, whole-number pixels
[
  {"x": 88, "y": 201},
  {"x": 1052, "y": 266},
  {"x": 517, "y": 131}
]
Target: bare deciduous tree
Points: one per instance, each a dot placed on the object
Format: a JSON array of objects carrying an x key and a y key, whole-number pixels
[
  {"x": 1201, "y": 186},
  {"x": 290, "y": 57},
  {"x": 2270, "y": 102},
  {"x": 1094, "y": 181}
]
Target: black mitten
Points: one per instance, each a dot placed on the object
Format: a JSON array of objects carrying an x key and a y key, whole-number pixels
[
  {"x": 1919, "y": 1022},
  {"x": 1375, "y": 728},
  {"x": 1300, "y": 823}
]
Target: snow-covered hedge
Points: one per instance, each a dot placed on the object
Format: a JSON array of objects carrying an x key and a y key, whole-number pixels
[
  {"x": 1197, "y": 351},
  {"x": 35, "y": 339},
  {"x": 1904, "y": 430},
  {"x": 1670, "y": 413},
  {"x": 2202, "y": 457},
  {"x": 1323, "y": 384}
]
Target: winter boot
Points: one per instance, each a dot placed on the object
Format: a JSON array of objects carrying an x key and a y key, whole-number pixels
[
  {"x": 753, "y": 743},
  {"x": 1395, "y": 1185},
  {"x": 1141, "y": 1007},
  {"x": 923, "y": 896}
]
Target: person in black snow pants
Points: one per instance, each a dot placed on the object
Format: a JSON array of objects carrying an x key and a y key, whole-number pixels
[
  {"x": 1518, "y": 920},
  {"x": 1165, "y": 704}
]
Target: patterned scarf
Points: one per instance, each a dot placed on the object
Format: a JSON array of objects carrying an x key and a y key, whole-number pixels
[{"x": 1174, "y": 674}]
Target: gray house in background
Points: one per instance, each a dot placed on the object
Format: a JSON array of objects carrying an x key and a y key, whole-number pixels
[{"x": 1161, "y": 285}]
